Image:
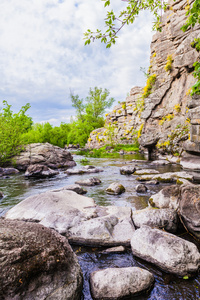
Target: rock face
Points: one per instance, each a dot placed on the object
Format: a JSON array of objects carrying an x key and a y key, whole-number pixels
[
  {"x": 36, "y": 263},
  {"x": 161, "y": 120},
  {"x": 40, "y": 171},
  {"x": 170, "y": 253},
  {"x": 160, "y": 218},
  {"x": 77, "y": 217},
  {"x": 43, "y": 154},
  {"x": 118, "y": 283},
  {"x": 190, "y": 208}
]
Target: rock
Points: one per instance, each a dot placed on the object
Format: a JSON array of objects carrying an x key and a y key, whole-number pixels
[
  {"x": 127, "y": 170},
  {"x": 75, "y": 188},
  {"x": 115, "y": 189},
  {"x": 77, "y": 217},
  {"x": 119, "y": 249},
  {"x": 152, "y": 182},
  {"x": 141, "y": 188},
  {"x": 37, "y": 263},
  {"x": 189, "y": 207},
  {"x": 146, "y": 171},
  {"x": 1, "y": 194},
  {"x": 89, "y": 182},
  {"x": 170, "y": 177},
  {"x": 118, "y": 283},
  {"x": 189, "y": 161},
  {"x": 121, "y": 152},
  {"x": 40, "y": 171},
  {"x": 165, "y": 218},
  {"x": 165, "y": 250},
  {"x": 166, "y": 198},
  {"x": 84, "y": 170},
  {"x": 8, "y": 171},
  {"x": 44, "y": 154},
  {"x": 160, "y": 162}
]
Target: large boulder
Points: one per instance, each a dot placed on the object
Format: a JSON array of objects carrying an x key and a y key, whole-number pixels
[
  {"x": 44, "y": 154},
  {"x": 36, "y": 263},
  {"x": 40, "y": 171},
  {"x": 119, "y": 283},
  {"x": 165, "y": 218},
  {"x": 77, "y": 217},
  {"x": 167, "y": 251},
  {"x": 189, "y": 207},
  {"x": 168, "y": 197}
]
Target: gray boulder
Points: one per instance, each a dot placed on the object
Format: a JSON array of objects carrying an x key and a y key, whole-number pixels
[
  {"x": 89, "y": 181},
  {"x": 44, "y": 154},
  {"x": 37, "y": 263},
  {"x": 84, "y": 170},
  {"x": 141, "y": 188},
  {"x": 8, "y": 171},
  {"x": 75, "y": 188},
  {"x": 77, "y": 217},
  {"x": 167, "y": 251},
  {"x": 127, "y": 170},
  {"x": 166, "y": 198},
  {"x": 40, "y": 171},
  {"x": 189, "y": 208},
  {"x": 118, "y": 283},
  {"x": 115, "y": 188},
  {"x": 161, "y": 218}
]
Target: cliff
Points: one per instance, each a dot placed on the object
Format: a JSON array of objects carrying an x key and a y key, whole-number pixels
[{"x": 160, "y": 114}]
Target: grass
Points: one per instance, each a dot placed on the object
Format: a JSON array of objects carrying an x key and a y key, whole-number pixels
[{"x": 103, "y": 153}]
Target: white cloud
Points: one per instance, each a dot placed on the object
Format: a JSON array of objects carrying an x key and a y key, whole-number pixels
[{"x": 43, "y": 55}]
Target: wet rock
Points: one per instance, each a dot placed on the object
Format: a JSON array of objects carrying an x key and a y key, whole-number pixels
[
  {"x": 160, "y": 162},
  {"x": 84, "y": 170},
  {"x": 8, "y": 171},
  {"x": 89, "y": 182},
  {"x": 115, "y": 189},
  {"x": 77, "y": 217},
  {"x": 44, "y": 154},
  {"x": 119, "y": 249},
  {"x": 141, "y": 188},
  {"x": 118, "y": 283},
  {"x": 75, "y": 188},
  {"x": 40, "y": 171},
  {"x": 170, "y": 177},
  {"x": 146, "y": 171},
  {"x": 37, "y": 263},
  {"x": 166, "y": 198},
  {"x": 161, "y": 218},
  {"x": 165, "y": 250},
  {"x": 189, "y": 208},
  {"x": 127, "y": 170}
]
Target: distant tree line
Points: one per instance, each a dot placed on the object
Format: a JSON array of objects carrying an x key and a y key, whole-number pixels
[{"x": 18, "y": 129}]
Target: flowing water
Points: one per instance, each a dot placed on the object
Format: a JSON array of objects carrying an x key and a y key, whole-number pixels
[{"x": 167, "y": 286}]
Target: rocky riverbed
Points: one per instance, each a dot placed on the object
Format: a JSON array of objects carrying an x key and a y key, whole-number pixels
[{"x": 167, "y": 285}]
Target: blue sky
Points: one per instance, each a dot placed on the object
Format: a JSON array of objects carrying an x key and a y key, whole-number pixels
[{"x": 42, "y": 55}]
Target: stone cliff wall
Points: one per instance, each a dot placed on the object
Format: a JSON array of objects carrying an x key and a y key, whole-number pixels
[{"x": 160, "y": 114}]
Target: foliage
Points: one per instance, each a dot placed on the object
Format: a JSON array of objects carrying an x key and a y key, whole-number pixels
[
  {"x": 12, "y": 126},
  {"x": 168, "y": 65},
  {"x": 193, "y": 14},
  {"x": 114, "y": 23},
  {"x": 149, "y": 85}
]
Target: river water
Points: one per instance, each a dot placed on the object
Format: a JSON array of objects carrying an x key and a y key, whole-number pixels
[{"x": 167, "y": 286}]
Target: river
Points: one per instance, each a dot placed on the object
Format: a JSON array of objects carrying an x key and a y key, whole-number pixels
[{"x": 167, "y": 286}]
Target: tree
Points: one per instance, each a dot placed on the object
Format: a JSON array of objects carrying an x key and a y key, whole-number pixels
[
  {"x": 77, "y": 103},
  {"x": 12, "y": 127},
  {"x": 128, "y": 15}
]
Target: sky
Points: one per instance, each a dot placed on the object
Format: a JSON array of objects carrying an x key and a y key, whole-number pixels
[{"x": 43, "y": 57}]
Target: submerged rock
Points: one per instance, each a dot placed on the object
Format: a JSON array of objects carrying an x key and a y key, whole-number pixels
[
  {"x": 161, "y": 218},
  {"x": 115, "y": 188},
  {"x": 37, "y": 263},
  {"x": 89, "y": 182},
  {"x": 167, "y": 251},
  {"x": 77, "y": 217},
  {"x": 118, "y": 283},
  {"x": 44, "y": 154},
  {"x": 127, "y": 170},
  {"x": 40, "y": 171}
]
